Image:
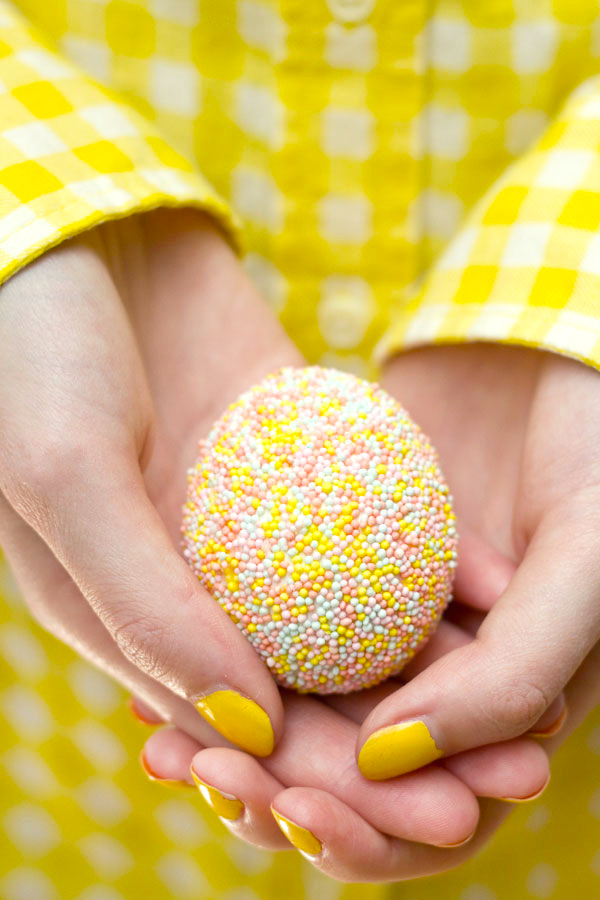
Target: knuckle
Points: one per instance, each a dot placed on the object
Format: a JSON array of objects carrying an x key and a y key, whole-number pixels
[
  {"x": 147, "y": 641},
  {"x": 518, "y": 704}
]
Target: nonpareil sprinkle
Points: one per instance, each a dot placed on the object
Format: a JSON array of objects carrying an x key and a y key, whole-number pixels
[{"x": 319, "y": 519}]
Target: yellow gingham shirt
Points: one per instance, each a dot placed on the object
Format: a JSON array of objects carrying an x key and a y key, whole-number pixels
[
  {"x": 433, "y": 165},
  {"x": 393, "y": 173}
]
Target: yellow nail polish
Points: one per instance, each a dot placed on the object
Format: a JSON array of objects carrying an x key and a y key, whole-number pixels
[
  {"x": 239, "y": 719},
  {"x": 553, "y": 728},
  {"x": 458, "y": 843},
  {"x": 397, "y": 749},
  {"x": 525, "y": 799},
  {"x": 139, "y": 716},
  {"x": 301, "y": 838},
  {"x": 225, "y": 805},
  {"x": 169, "y": 782}
]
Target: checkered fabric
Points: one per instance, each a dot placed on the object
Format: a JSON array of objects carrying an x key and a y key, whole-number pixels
[
  {"x": 351, "y": 138},
  {"x": 525, "y": 266},
  {"x": 73, "y": 155},
  {"x": 393, "y": 173}
]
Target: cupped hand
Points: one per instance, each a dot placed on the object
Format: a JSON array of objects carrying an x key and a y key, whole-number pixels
[
  {"x": 352, "y": 828},
  {"x": 363, "y": 837},
  {"x": 121, "y": 347},
  {"x": 85, "y": 472},
  {"x": 517, "y": 432},
  {"x": 496, "y": 391},
  {"x": 118, "y": 350}
]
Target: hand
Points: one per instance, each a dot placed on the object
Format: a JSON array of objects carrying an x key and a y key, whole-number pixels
[
  {"x": 119, "y": 349},
  {"x": 356, "y": 842},
  {"x": 175, "y": 278},
  {"x": 517, "y": 432},
  {"x": 356, "y": 835},
  {"x": 369, "y": 831}
]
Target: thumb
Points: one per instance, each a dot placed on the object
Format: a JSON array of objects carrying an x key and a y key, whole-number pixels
[
  {"x": 498, "y": 686},
  {"x": 73, "y": 406},
  {"x": 96, "y": 517}
]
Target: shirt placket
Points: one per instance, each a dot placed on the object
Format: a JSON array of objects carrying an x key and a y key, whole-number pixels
[{"x": 351, "y": 216}]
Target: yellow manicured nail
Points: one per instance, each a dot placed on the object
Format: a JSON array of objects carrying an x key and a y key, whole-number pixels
[
  {"x": 301, "y": 838},
  {"x": 169, "y": 782},
  {"x": 458, "y": 843},
  {"x": 526, "y": 799},
  {"x": 397, "y": 749},
  {"x": 553, "y": 728},
  {"x": 240, "y": 720},
  {"x": 225, "y": 805}
]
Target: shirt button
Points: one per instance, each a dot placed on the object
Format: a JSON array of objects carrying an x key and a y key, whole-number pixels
[
  {"x": 344, "y": 317},
  {"x": 351, "y": 11}
]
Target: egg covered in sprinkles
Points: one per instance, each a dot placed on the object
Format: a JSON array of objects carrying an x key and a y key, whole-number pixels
[{"x": 318, "y": 517}]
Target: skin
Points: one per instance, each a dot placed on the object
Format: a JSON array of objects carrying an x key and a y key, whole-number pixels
[
  {"x": 96, "y": 443},
  {"x": 354, "y": 848}
]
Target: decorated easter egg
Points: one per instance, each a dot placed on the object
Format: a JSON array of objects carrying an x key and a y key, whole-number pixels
[{"x": 319, "y": 519}]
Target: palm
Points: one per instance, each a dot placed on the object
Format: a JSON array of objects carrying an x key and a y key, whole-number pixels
[
  {"x": 204, "y": 335},
  {"x": 513, "y": 430},
  {"x": 503, "y": 474}
]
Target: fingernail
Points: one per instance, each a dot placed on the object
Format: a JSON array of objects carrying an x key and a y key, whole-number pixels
[
  {"x": 300, "y": 837},
  {"x": 170, "y": 782},
  {"x": 553, "y": 728},
  {"x": 529, "y": 797},
  {"x": 240, "y": 720},
  {"x": 458, "y": 843},
  {"x": 138, "y": 715},
  {"x": 225, "y": 805},
  {"x": 397, "y": 749}
]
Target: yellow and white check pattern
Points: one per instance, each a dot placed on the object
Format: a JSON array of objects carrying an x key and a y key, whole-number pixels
[
  {"x": 525, "y": 266},
  {"x": 394, "y": 172},
  {"x": 72, "y": 155}
]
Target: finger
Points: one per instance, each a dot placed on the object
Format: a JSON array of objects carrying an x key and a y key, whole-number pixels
[
  {"x": 515, "y": 769},
  {"x": 353, "y": 851},
  {"x": 70, "y": 466},
  {"x": 239, "y": 790},
  {"x": 459, "y": 627},
  {"x": 150, "y": 601},
  {"x": 553, "y": 720},
  {"x": 233, "y": 784},
  {"x": 482, "y": 573},
  {"x": 342, "y": 845},
  {"x": 58, "y": 605},
  {"x": 347, "y": 848},
  {"x": 166, "y": 756},
  {"x": 498, "y": 686},
  {"x": 143, "y": 712},
  {"x": 432, "y": 805},
  {"x": 582, "y": 696}
]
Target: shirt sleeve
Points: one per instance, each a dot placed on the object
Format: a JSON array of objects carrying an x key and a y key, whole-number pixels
[
  {"x": 525, "y": 268},
  {"x": 73, "y": 154}
]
